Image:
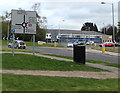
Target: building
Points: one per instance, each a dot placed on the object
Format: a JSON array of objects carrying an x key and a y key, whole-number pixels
[{"x": 73, "y": 35}]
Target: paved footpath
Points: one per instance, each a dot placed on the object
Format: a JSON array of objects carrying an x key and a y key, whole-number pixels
[
  {"x": 99, "y": 51},
  {"x": 82, "y": 74},
  {"x": 97, "y": 75},
  {"x": 106, "y": 52}
]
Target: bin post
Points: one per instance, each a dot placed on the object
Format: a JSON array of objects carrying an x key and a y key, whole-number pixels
[{"x": 79, "y": 55}]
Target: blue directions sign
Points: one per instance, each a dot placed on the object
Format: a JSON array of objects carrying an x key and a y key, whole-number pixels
[
  {"x": 13, "y": 31},
  {"x": 11, "y": 38}
]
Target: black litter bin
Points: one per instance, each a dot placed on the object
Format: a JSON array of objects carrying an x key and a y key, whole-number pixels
[{"x": 79, "y": 54}]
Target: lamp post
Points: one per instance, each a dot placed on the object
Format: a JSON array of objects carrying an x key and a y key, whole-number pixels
[
  {"x": 59, "y": 31},
  {"x": 8, "y": 32},
  {"x": 49, "y": 35},
  {"x": 112, "y": 18},
  {"x": 104, "y": 28}
]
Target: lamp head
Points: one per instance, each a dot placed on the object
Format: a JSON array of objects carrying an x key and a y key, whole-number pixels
[{"x": 102, "y": 2}]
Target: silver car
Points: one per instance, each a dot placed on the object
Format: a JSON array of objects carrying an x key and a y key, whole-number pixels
[
  {"x": 19, "y": 44},
  {"x": 70, "y": 44},
  {"x": 90, "y": 43}
]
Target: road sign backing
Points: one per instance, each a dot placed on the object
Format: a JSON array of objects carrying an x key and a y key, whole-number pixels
[{"x": 24, "y": 21}]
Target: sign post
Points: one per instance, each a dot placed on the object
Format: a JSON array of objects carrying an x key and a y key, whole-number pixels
[
  {"x": 13, "y": 31},
  {"x": 13, "y": 45},
  {"x": 23, "y": 22},
  {"x": 33, "y": 44}
]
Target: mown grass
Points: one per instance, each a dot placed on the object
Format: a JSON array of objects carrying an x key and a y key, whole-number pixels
[
  {"x": 0, "y": 42},
  {"x": 17, "y": 50},
  {"x": 30, "y": 62},
  {"x": 5, "y": 43},
  {"x": 43, "y": 45},
  {"x": 103, "y": 63},
  {"x": 46, "y": 83},
  {"x": 88, "y": 60},
  {"x": 67, "y": 57}
]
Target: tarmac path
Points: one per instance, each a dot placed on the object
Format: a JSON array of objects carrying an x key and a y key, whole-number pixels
[{"x": 81, "y": 74}]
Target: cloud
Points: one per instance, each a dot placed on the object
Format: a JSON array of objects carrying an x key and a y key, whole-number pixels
[{"x": 75, "y": 13}]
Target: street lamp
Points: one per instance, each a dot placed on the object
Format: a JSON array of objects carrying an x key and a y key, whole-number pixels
[
  {"x": 112, "y": 18},
  {"x": 104, "y": 28},
  {"x": 8, "y": 32},
  {"x": 59, "y": 31}
]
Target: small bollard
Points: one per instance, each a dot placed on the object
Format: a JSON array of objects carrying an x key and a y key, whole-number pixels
[
  {"x": 95, "y": 44},
  {"x": 55, "y": 44},
  {"x": 103, "y": 49}
]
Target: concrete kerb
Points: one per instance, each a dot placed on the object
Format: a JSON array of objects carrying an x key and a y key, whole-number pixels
[
  {"x": 109, "y": 68},
  {"x": 98, "y": 51}
]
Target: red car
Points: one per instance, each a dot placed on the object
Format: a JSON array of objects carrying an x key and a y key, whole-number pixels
[{"x": 107, "y": 44}]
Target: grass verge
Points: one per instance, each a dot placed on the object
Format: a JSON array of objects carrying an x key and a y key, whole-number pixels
[
  {"x": 67, "y": 57},
  {"x": 5, "y": 43},
  {"x": 30, "y": 62},
  {"x": 88, "y": 60},
  {"x": 17, "y": 50},
  {"x": 46, "y": 83},
  {"x": 103, "y": 63}
]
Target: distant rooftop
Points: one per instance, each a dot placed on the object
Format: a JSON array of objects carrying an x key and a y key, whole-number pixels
[{"x": 74, "y": 32}]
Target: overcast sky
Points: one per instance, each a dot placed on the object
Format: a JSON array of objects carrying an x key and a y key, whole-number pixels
[{"x": 74, "y": 13}]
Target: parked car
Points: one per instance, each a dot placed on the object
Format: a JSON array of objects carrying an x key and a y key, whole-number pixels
[
  {"x": 90, "y": 43},
  {"x": 117, "y": 44},
  {"x": 41, "y": 42},
  {"x": 79, "y": 43},
  {"x": 107, "y": 44},
  {"x": 70, "y": 44},
  {"x": 17, "y": 44}
]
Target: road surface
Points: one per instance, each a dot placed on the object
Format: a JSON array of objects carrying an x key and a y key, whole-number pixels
[{"x": 69, "y": 52}]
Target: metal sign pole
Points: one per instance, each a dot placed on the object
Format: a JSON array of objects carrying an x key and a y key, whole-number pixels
[
  {"x": 13, "y": 45},
  {"x": 33, "y": 44},
  {"x": 8, "y": 33}
]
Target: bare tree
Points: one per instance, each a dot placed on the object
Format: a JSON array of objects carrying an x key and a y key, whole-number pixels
[
  {"x": 43, "y": 22},
  {"x": 36, "y": 7},
  {"x": 6, "y": 16}
]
